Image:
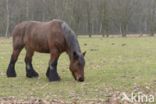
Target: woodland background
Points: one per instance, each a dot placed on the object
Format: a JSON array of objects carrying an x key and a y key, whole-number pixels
[{"x": 86, "y": 17}]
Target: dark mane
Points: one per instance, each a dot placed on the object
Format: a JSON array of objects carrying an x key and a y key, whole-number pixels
[{"x": 71, "y": 39}]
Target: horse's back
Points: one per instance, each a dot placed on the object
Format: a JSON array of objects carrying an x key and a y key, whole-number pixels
[
  {"x": 40, "y": 36},
  {"x": 39, "y": 26}
]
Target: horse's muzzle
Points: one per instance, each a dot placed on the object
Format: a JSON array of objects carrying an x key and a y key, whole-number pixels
[{"x": 80, "y": 79}]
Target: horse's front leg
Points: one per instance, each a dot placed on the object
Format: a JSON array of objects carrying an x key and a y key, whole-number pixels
[
  {"x": 51, "y": 73},
  {"x": 30, "y": 72}
]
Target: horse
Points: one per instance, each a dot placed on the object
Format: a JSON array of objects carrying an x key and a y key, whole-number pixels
[{"x": 53, "y": 37}]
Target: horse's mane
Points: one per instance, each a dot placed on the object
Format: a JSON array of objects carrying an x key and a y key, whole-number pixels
[{"x": 71, "y": 39}]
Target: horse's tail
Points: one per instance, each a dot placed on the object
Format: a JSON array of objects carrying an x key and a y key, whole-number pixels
[{"x": 18, "y": 34}]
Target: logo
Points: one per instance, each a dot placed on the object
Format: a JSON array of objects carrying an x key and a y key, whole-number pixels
[{"x": 138, "y": 97}]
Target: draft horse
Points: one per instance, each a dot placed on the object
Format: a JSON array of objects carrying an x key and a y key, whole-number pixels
[{"x": 54, "y": 37}]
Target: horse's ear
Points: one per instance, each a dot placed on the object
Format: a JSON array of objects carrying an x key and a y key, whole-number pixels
[
  {"x": 75, "y": 55},
  {"x": 84, "y": 53}
]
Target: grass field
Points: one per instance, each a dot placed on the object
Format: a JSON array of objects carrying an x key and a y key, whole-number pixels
[{"x": 113, "y": 65}]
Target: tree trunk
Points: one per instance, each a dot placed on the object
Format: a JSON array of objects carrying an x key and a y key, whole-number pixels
[
  {"x": 105, "y": 29},
  {"x": 124, "y": 30},
  {"x": 89, "y": 18},
  {"x": 107, "y": 35},
  {"x": 151, "y": 29},
  {"x": 7, "y": 19},
  {"x": 43, "y": 16},
  {"x": 89, "y": 27},
  {"x": 151, "y": 34},
  {"x": 27, "y": 9}
]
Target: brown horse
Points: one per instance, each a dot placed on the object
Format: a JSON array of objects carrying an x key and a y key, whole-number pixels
[{"x": 54, "y": 37}]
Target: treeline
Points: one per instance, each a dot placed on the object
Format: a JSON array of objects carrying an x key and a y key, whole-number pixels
[{"x": 84, "y": 16}]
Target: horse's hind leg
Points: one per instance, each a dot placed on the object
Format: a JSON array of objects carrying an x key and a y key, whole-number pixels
[
  {"x": 11, "y": 68},
  {"x": 30, "y": 72},
  {"x": 51, "y": 73}
]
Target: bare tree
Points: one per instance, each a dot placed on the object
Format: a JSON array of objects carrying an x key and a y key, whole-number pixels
[
  {"x": 27, "y": 9},
  {"x": 7, "y": 19},
  {"x": 76, "y": 14},
  {"x": 84, "y": 16},
  {"x": 123, "y": 10},
  {"x": 151, "y": 17},
  {"x": 104, "y": 17},
  {"x": 88, "y": 13}
]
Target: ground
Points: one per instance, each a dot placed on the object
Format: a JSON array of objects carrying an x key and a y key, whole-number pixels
[{"x": 113, "y": 66}]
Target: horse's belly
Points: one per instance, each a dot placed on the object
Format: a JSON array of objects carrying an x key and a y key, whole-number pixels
[
  {"x": 43, "y": 48},
  {"x": 39, "y": 46}
]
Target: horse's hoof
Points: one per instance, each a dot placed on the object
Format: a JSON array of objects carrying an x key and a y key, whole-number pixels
[
  {"x": 11, "y": 73},
  {"x": 31, "y": 74},
  {"x": 54, "y": 78}
]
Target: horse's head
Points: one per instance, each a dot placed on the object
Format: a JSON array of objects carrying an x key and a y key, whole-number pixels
[{"x": 77, "y": 66}]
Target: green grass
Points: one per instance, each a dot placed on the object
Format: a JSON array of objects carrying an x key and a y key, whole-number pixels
[{"x": 112, "y": 65}]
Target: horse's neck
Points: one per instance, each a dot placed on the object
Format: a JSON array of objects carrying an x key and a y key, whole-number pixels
[
  {"x": 71, "y": 39},
  {"x": 73, "y": 46}
]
